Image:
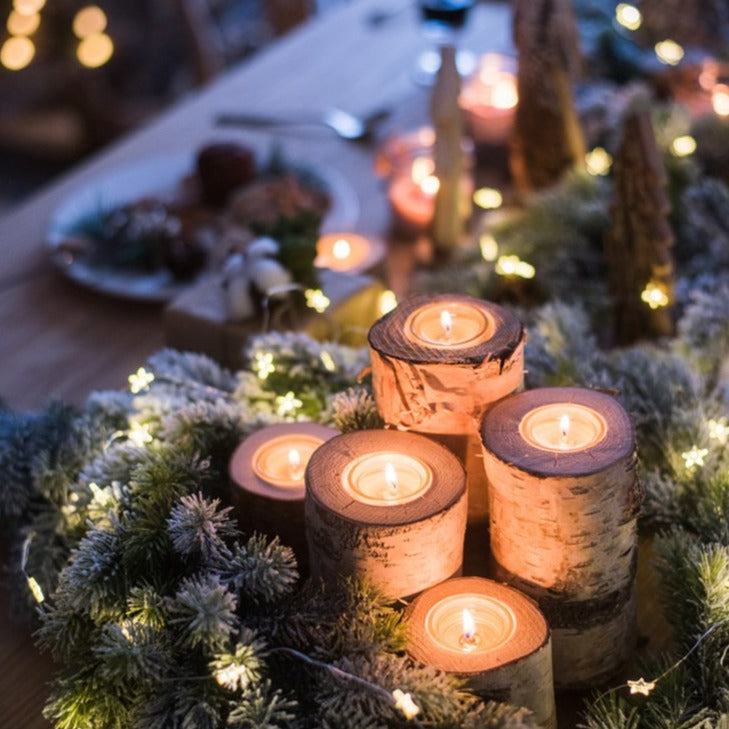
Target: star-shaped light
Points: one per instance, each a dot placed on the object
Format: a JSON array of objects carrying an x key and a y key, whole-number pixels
[
  {"x": 263, "y": 364},
  {"x": 287, "y": 404},
  {"x": 139, "y": 434},
  {"x": 140, "y": 380},
  {"x": 317, "y": 300},
  {"x": 655, "y": 294},
  {"x": 718, "y": 430},
  {"x": 641, "y": 686},
  {"x": 694, "y": 457},
  {"x": 404, "y": 702}
]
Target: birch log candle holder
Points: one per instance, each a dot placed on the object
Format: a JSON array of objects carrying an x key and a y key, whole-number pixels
[
  {"x": 490, "y": 634},
  {"x": 386, "y": 505},
  {"x": 438, "y": 363},
  {"x": 564, "y": 499},
  {"x": 267, "y": 473}
]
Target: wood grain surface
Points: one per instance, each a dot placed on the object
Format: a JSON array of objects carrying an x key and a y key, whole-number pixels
[{"x": 519, "y": 671}]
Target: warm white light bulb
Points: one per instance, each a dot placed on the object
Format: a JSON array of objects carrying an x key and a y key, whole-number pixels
[
  {"x": 446, "y": 321},
  {"x": 341, "y": 249}
]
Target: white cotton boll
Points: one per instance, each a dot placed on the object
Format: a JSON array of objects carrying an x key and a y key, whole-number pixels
[
  {"x": 262, "y": 247},
  {"x": 268, "y": 274}
]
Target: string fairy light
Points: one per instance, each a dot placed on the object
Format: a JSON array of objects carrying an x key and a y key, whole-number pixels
[
  {"x": 598, "y": 161},
  {"x": 718, "y": 430},
  {"x": 140, "y": 380},
  {"x": 287, "y": 404},
  {"x": 488, "y": 198},
  {"x": 655, "y": 294},
  {"x": 694, "y": 457},
  {"x": 669, "y": 52},
  {"x": 263, "y": 364},
  {"x": 514, "y": 266},
  {"x": 489, "y": 247},
  {"x": 328, "y": 361},
  {"x": 316, "y": 299}
]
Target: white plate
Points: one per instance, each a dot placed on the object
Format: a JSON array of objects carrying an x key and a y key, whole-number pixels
[{"x": 157, "y": 176}]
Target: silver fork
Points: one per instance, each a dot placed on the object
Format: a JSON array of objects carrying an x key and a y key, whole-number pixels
[{"x": 342, "y": 123}]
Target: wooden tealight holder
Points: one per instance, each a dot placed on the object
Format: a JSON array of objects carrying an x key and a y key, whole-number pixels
[
  {"x": 267, "y": 488},
  {"x": 490, "y": 634},
  {"x": 564, "y": 500},
  {"x": 438, "y": 363},
  {"x": 386, "y": 505}
]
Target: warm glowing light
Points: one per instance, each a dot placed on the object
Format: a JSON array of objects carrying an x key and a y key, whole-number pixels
[
  {"x": 35, "y": 589},
  {"x": 514, "y": 266},
  {"x": 404, "y": 702},
  {"x": 641, "y": 686},
  {"x": 469, "y": 626},
  {"x": 95, "y": 50},
  {"x": 263, "y": 364},
  {"x": 88, "y": 21},
  {"x": 388, "y": 301},
  {"x": 317, "y": 300},
  {"x": 430, "y": 185},
  {"x": 628, "y": 16},
  {"x": 294, "y": 459},
  {"x": 446, "y": 321},
  {"x": 564, "y": 428},
  {"x": 232, "y": 676},
  {"x": 720, "y": 99},
  {"x": 140, "y": 380},
  {"x": 598, "y": 161},
  {"x": 328, "y": 361},
  {"x": 709, "y": 74},
  {"x": 488, "y": 198},
  {"x": 139, "y": 434},
  {"x": 20, "y": 24},
  {"x": 391, "y": 478},
  {"x": 655, "y": 294},
  {"x": 683, "y": 146},
  {"x": 421, "y": 168},
  {"x": 718, "y": 430},
  {"x": 489, "y": 247},
  {"x": 17, "y": 52},
  {"x": 341, "y": 249},
  {"x": 28, "y": 7},
  {"x": 694, "y": 457},
  {"x": 669, "y": 52},
  {"x": 287, "y": 404},
  {"x": 386, "y": 478}
]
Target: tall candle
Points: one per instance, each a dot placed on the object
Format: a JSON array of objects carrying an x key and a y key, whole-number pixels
[
  {"x": 490, "y": 634},
  {"x": 560, "y": 464},
  {"x": 387, "y": 505}
]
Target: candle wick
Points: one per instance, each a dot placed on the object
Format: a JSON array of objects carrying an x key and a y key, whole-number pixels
[
  {"x": 391, "y": 481},
  {"x": 564, "y": 426}
]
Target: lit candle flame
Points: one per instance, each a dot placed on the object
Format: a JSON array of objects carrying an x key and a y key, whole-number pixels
[
  {"x": 391, "y": 479},
  {"x": 295, "y": 463},
  {"x": 341, "y": 249},
  {"x": 564, "y": 426},
  {"x": 446, "y": 321},
  {"x": 469, "y": 626}
]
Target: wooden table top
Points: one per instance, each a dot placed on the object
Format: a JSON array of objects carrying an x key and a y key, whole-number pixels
[{"x": 59, "y": 340}]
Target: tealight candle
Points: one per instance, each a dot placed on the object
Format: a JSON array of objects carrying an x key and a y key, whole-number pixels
[
  {"x": 488, "y": 100},
  {"x": 560, "y": 464},
  {"x": 412, "y": 196},
  {"x": 438, "y": 363},
  {"x": 387, "y": 505},
  {"x": 348, "y": 252},
  {"x": 267, "y": 474},
  {"x": 490, "y": 634}
]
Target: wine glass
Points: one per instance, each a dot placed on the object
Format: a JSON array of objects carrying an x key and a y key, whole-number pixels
[{"x": 442, "y": 22}]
